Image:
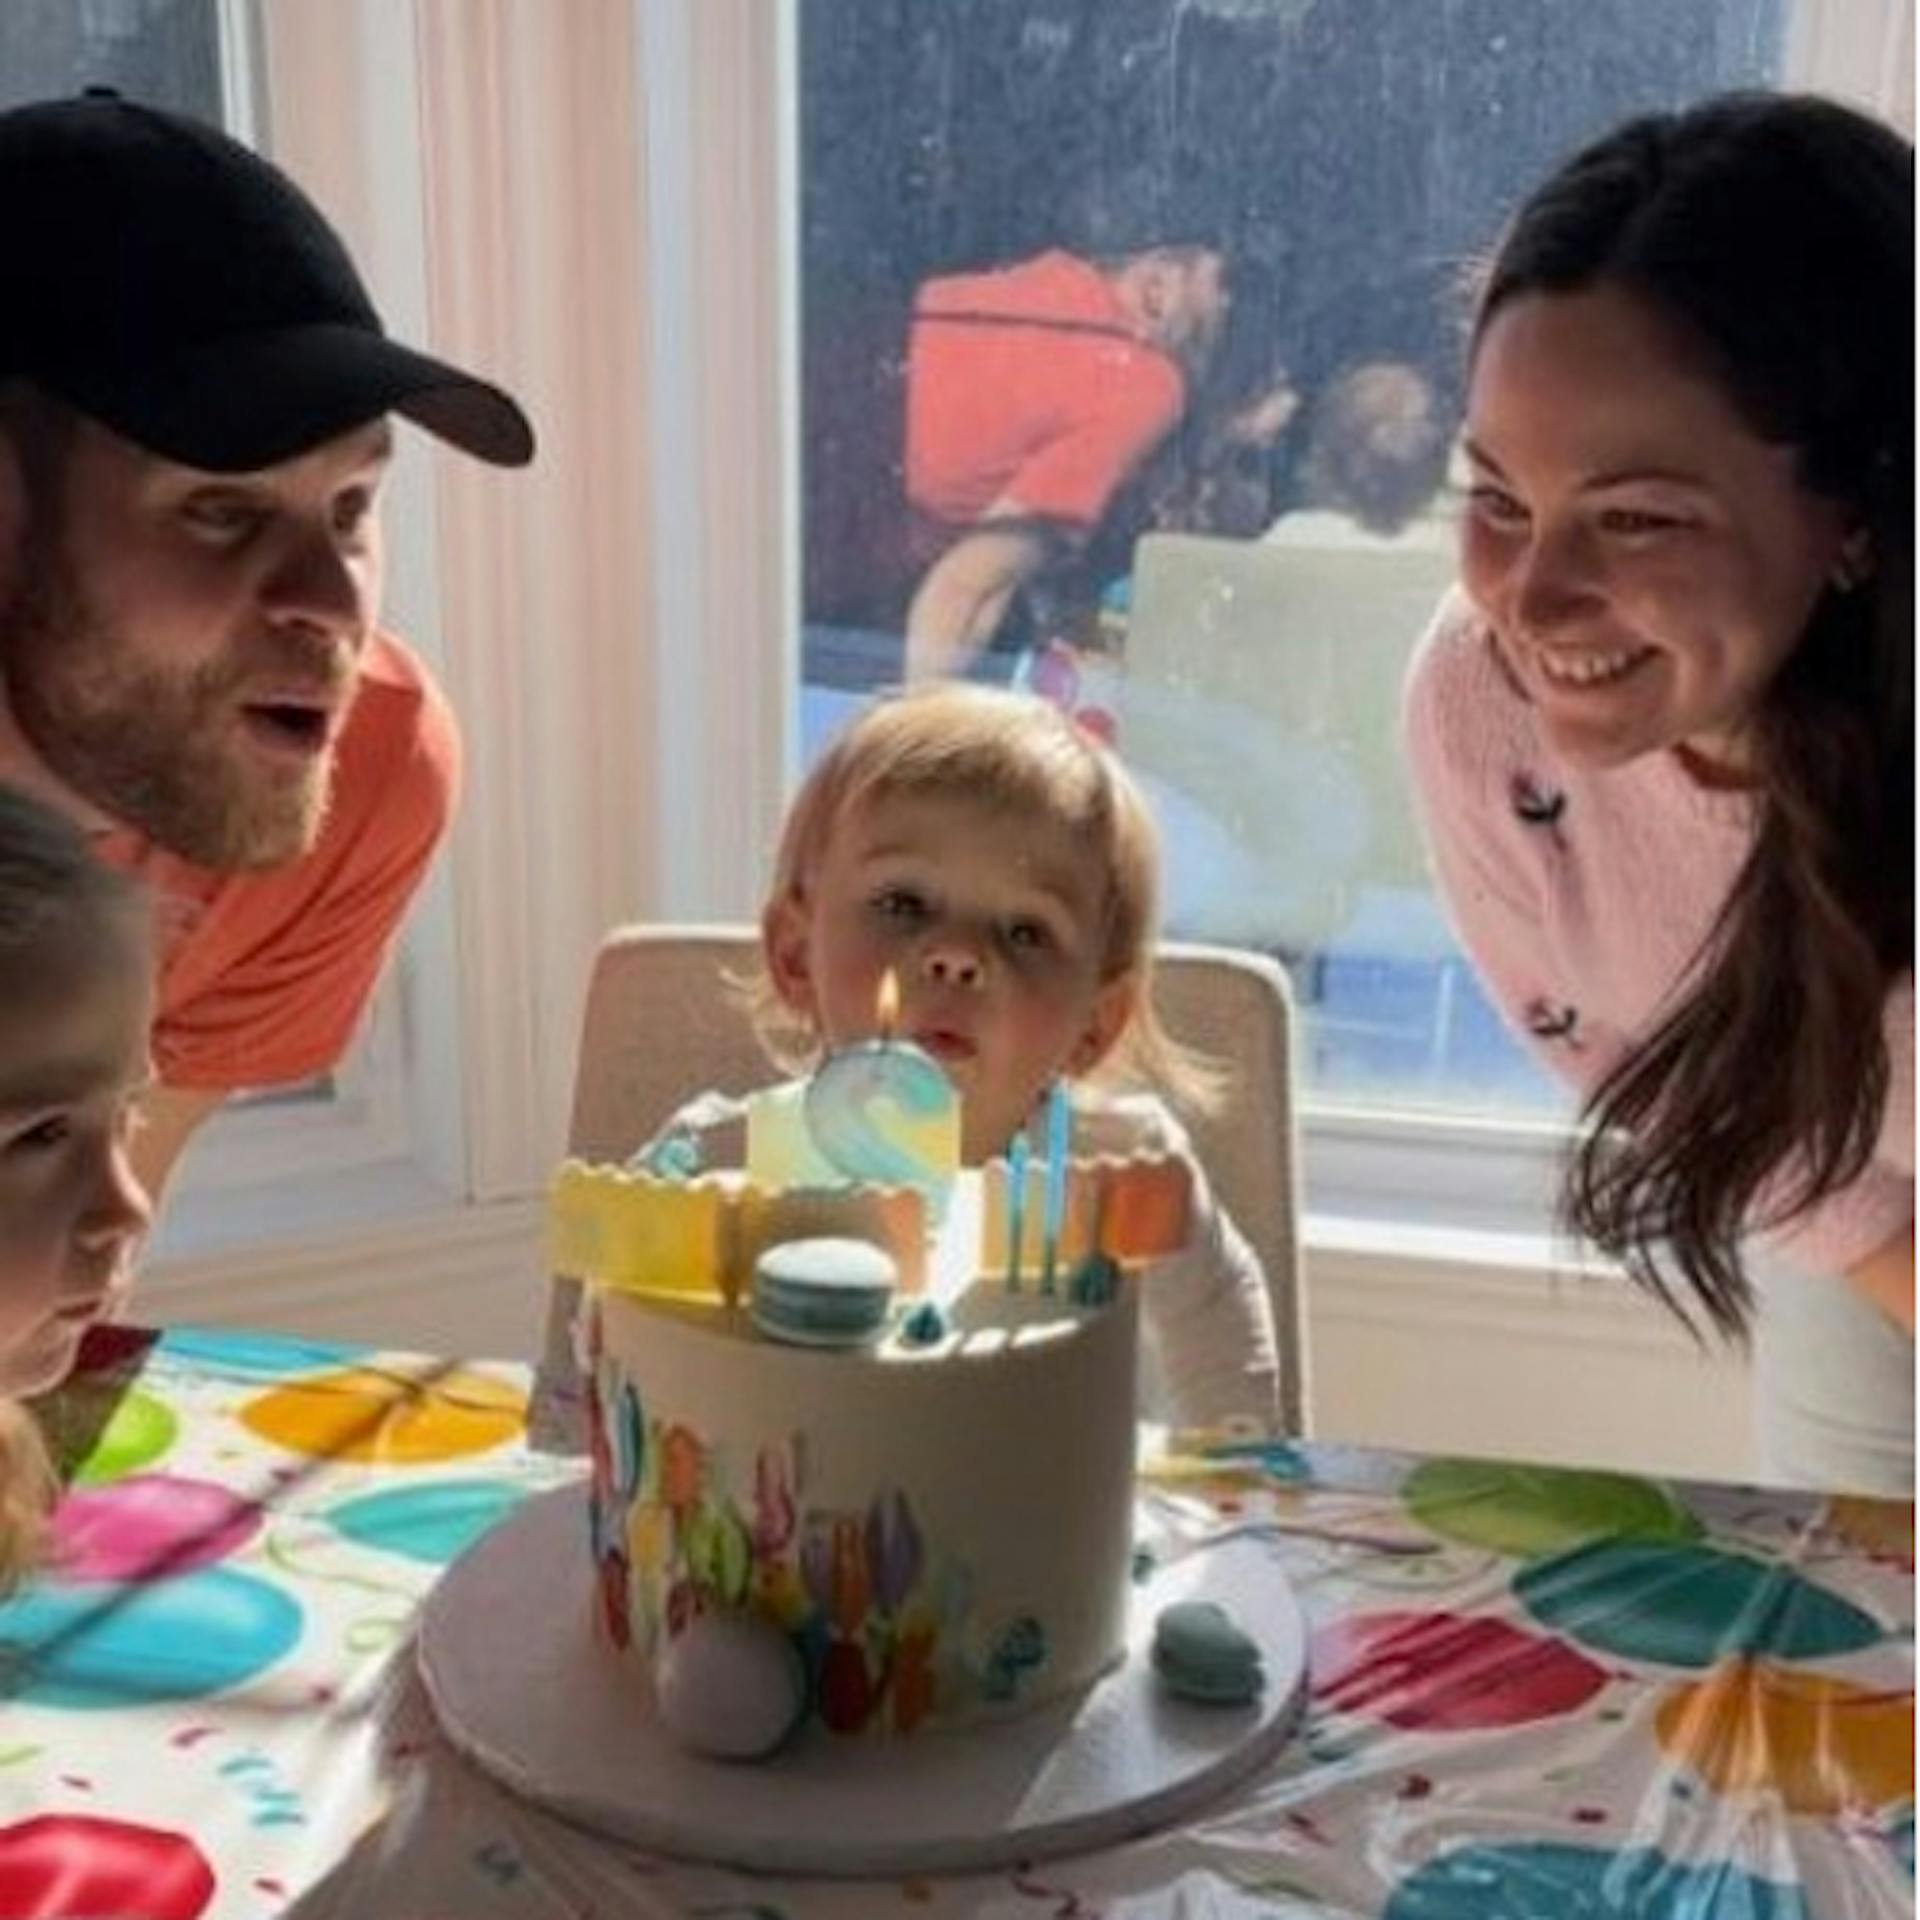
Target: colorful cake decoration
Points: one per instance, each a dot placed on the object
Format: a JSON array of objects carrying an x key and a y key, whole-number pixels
[
  {"x": 1018, "y": 1155},
  {"x": 697, "y": 1240},
  {"x": 924, "y": 1325},
  {"x": 1059, "y": 1145},
  {"x": 1200, "y": 1654},
  {"x": 884, "y": 1112},
  {"x": 866, "y": 1542},
  {"x": 879, "y": 1112},
  {"x": 826, "y": 1292},
  {"x": 1133, "y": 1209},
  {"x": 730, "y": 1686}
]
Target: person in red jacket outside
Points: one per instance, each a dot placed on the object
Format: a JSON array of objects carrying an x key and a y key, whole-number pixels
[{"x": 1034, "y": 392}]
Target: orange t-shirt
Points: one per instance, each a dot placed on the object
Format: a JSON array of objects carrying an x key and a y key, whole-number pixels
[
  {"x": 1028, "y": 384},
  {"x": 264, "y": 976}
]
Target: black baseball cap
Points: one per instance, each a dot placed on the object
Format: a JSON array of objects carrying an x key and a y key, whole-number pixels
[{"x": 164, "y": 279}]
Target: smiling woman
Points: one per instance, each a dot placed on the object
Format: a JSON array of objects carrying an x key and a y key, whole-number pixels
[
  {"x": 1664, "y": 743},
  {"x": 1647, "y": 562}
]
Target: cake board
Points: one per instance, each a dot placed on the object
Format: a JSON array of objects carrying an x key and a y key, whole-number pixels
[{"x": 525, "y": 1688}]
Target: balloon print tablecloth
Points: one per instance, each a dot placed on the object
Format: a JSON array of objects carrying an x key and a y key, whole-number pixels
[{"x": 1536, "y": 1693}]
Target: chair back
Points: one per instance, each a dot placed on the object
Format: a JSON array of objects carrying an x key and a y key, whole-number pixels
[
  {"x": 1236, "y": 1008},
  {"x": 662, "y": 1026}
]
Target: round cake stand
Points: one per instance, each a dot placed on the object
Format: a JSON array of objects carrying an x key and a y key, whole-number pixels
[{"x": 525, "y": 1688}]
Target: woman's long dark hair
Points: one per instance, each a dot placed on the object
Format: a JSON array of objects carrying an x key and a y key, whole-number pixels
[{"x": 1775, "y": 234}]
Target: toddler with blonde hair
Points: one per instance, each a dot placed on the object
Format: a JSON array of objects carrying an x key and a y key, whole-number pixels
[{"x": 1001, "y": 863}]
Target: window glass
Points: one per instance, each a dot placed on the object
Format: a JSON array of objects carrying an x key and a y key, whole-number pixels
[
  {"x": 164, "y": 52},
  {"x": 1171, "y": 293}
]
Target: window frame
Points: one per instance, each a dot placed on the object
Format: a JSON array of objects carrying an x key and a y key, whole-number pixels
[{"x": 380, "y": 1139}]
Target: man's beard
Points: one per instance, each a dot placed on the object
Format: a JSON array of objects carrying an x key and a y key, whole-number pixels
[{"x": 158, "y": 749}]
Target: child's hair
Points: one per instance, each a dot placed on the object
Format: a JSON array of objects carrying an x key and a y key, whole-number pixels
[
  {"x": 50, "y": 884},
  {"x": 28, "y": 1489},
  {"x": 1010, "y": 753},
  {"x": 1377, "y": 443},
  {"x": 50, "y": 887}
]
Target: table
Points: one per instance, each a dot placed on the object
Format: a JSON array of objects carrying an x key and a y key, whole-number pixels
[{"x": 1536, "y": 1692}]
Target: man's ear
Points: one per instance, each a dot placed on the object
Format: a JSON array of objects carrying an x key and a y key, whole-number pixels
[
  {"x": 783, "y": 938},
  {"x": 1112, "y": 1009}
]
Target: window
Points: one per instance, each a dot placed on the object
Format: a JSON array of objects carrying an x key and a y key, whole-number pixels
[
  {"x": 169, "y": 53},
  {"x": 1229, "y": 580}
]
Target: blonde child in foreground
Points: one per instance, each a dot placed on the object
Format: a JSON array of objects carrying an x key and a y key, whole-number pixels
[
  {"x": 1002, "y": 865},
  {"x": 76, "y": 999}
]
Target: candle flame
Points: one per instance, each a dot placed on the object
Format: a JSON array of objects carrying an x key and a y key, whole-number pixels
[{"x": 887, "y": 1003}]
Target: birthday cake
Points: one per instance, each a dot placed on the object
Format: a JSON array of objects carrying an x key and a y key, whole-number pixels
[{"x": 931, "y": 1525}]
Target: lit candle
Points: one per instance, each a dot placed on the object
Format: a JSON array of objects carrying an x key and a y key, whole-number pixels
[
  {"x": 883, "y": 1112},
  {"x": 1059, "y": 1121}
]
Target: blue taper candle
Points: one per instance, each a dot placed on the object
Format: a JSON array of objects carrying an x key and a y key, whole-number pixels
[
  {"x": 1059, "y": 1123},
  {"x": 1017, "y": 1156}
]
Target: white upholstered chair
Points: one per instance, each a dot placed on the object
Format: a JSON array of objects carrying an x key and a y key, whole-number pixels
[{"x": 661, "y": 1026}]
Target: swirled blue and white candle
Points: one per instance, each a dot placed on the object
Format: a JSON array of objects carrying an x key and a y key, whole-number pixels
[{"x": 883, "y": 1112}]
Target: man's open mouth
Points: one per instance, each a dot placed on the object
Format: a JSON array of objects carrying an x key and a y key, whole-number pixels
[{"x": 304, "y": 727}]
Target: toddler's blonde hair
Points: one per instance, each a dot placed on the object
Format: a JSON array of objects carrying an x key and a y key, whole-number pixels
[{"x": 1014, "y": 754}]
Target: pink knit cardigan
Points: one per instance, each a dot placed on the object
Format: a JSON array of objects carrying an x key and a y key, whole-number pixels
[{"x": 1583, "y": 898}]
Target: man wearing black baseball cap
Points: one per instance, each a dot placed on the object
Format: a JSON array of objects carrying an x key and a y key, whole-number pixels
[{"x": 194, "y": 392}]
